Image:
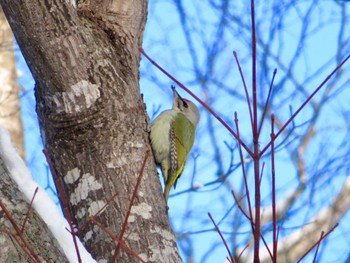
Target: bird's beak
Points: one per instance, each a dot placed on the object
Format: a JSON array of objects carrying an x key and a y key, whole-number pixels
[
  {"x": 176, "y": 95},
  {"x": 179, "y": 102}
]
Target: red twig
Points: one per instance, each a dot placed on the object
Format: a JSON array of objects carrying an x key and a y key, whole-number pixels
[
  {"x": 255, "y": 156},
  {"x": 29, "y": 208},
  {"x": 240, "y": 207},
  {"x": 231, "y": 259},
  {"x": 18, "y": 231},
  {"x": 97, "y": 213},
  {"x": 262, "y": 172},
  {"x": 130, "y": 205},
  {"x": 266, "y": 246},
  {"x": 245, "y": 87},
  {"x": 274, "y": 222},
  {"x": 199, "y": 100},
  {"x": 267, "y": 101},
  {"x": 306, "y": 102},
  {"x": 244, "y": 175},
  {"x": 240, "y": 254},
  {"x": 63, "y": 202},
  {"x": 14, "y": 236},
  {"x": 318, "y": 245},
  {"x": 122, "y": 244},
  {"x": 318, "y": 242}
]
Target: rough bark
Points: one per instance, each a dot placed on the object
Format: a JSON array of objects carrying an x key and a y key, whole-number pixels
[
  {"x": 84, "y": 58},
  {"x": 10, "y": 111},
  {"x": 37, "y": 242}
]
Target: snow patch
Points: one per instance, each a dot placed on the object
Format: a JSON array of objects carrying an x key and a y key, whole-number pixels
[{"x": 43, "y": 204}]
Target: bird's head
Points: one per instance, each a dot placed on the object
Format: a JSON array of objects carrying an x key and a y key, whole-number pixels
[{"x": 187, "y": 107}]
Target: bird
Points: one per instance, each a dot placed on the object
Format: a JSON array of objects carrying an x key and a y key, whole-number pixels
[{"x": 172, "y": 136}]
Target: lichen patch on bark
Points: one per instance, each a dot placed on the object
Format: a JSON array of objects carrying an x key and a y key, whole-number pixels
[
  {"x": 87, "y": 183},
  {"x": 80, "y": 97}
]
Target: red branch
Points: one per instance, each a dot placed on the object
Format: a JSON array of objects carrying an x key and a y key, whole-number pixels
[
  {"x": 244, "y": 175},
  {"x": 267, "y": 101},
  {"x": 130, "y": 205},
  {"x": 318, "y": 242},
  {"x": 231, "y": 259},
  {"x": 14, "y": 236},
  {"x": 97, "y": 213},
  {"x": 245, "y": 87},
  {"x": 318, "y": 246},
  {"x": 199, "y": 100},
  {"x": 255, "y": 155},
  {"x": 240, "y": 207},
  {"x": 64, "y": 203},
  {"x": 274, "y": 221},
  {"x": 18, "y": 231},
  {"x": 122, "y": 244},
  {"x": 306, "y": 102},
  {"x": 262, "y": 172},
  {"x": 29, "y": 208}
]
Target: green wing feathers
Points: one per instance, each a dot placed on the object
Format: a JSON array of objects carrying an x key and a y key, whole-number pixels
[{"x": 182, "y": 138}]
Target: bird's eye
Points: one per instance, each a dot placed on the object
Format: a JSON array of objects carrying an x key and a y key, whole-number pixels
[{"x": 185, "y": 104}]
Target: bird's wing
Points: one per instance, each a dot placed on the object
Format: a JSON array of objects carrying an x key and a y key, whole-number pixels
[{"x": 182, "y": 133}]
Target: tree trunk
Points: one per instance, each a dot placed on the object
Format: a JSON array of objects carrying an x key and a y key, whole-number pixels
[
  {"x": 10, "y": 111},
  {"x": 84, "y": 58}
]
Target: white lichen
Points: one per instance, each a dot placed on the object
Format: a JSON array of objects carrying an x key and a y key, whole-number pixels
[
  {"x": 71, "y": 102},
  {"x": 81, "y": 212},
  {"x": 87, "y": 236},
  {"x": 144, "y": 210},
  {"x": 163, "y": 232},
  {"x": 87, "y": 183},
  {"x": 72, "y": 176},
  {"x": 95, "y": 207}
]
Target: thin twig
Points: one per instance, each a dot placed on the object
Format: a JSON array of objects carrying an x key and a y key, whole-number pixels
[
  {"x": 318, "y": 245},
  {"x": 199, "y": 100},
  {"x": 255, "y": 155},
  {"x": 274, "y": 222},
  {"x": 222, "y": 238},
  {"x": 29, "y": 208},
  {"x": 245, "y": 87},
  {"x": 240, "y": 254},
  {"x": 321, "y": 238},
  {"x": 240, "y": 207},
  {"x": 15, "y": 237},
  {"x": 306, "y": 102},
  {"x": 267, "y": 101},
  {"x": 244, "y": 174},
  {"x": 18, "y": 231},
  {"x": 81, "y": 227},
  {"x": 262, "y": 172},
  {"x": 266, "y": 246},
  {"x": 64, "y": 203},
  {"x": 130, "y": 206},
  {"x": 122, "y": 244}
]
